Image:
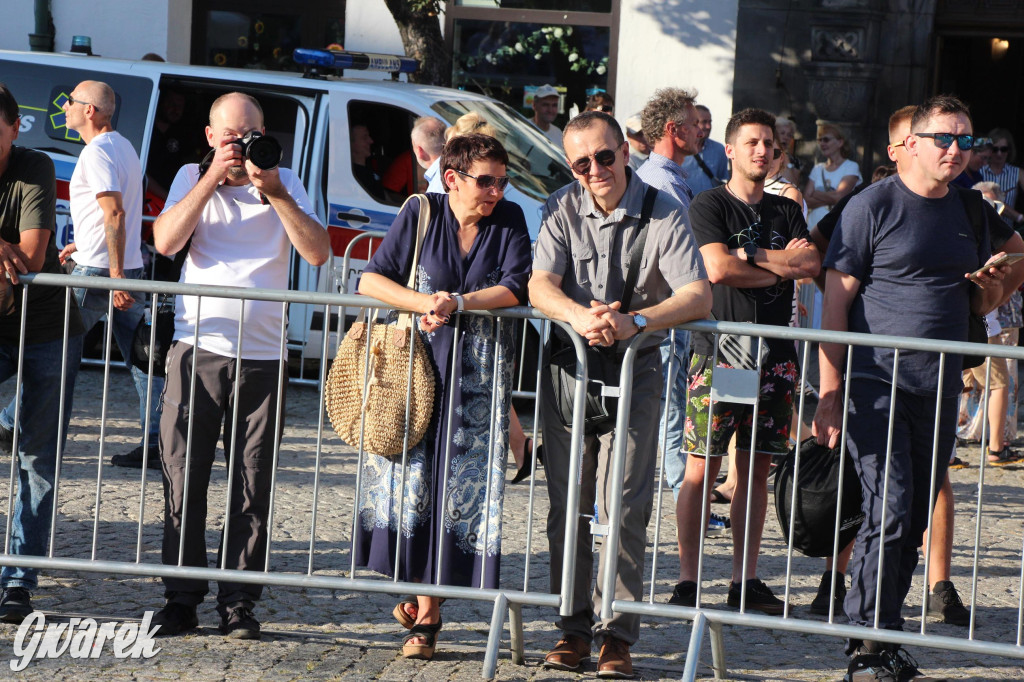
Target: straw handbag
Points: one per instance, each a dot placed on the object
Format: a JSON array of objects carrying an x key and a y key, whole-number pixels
[{"x": 376, "y": 401}]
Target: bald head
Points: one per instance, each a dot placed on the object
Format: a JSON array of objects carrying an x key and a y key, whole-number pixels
[
  {"x": 100, "y": 96},
  {"x": 236, "y": 101}
]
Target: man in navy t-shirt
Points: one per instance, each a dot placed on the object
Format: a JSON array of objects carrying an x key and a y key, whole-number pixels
[{"x": 898, "y": 265}]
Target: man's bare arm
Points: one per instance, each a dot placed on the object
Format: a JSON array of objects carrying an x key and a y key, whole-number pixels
[
  {"x": 727, "y": 267},
  {"x": 112, "y": 205},
  {"x": 840, "y": 290}
]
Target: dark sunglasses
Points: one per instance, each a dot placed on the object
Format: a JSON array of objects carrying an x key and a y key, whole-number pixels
[
  {"x": 945, "y": 140},
  {"x": 487, "y": 181},
  {"x": 72, "y": 101},
  {"x": 1001, "y": 150},
  {"x": 605, "y": 157}
]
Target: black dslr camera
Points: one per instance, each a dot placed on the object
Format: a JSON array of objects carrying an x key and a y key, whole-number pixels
[{"x": 264, "y": 151}]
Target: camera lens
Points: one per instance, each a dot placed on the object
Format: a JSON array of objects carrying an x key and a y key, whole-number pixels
[{"x": 265, "y": 152}]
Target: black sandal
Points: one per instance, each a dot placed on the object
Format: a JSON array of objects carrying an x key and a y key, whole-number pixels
[
  {"x": 427, "y": 632},
  {"x": 530, "y": 453}
]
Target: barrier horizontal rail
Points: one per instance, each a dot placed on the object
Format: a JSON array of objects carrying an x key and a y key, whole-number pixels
[{"x": 709, "y": 615}]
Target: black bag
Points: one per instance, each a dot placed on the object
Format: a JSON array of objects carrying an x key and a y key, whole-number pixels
[
  {"x": 816, "y": 495},
  {"x": 602, "y": 370},
  {"x": 602, "y": 382},
  {"x": 141, "y": 350}
]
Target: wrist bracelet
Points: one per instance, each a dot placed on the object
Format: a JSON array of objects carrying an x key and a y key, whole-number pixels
[{"x": 460, "y": 302}]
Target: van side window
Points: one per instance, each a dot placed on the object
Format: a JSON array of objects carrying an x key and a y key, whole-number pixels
[{"x": 382, "y": 160}]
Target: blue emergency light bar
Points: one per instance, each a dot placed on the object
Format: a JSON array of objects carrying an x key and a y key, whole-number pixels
[{"x": 366, "y": 61}]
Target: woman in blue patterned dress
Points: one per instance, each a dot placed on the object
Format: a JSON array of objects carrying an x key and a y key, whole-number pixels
[{"x": 475, "y": 256}]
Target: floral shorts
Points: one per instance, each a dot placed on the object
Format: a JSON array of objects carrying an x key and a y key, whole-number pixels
[{"x": 775, "y": 411}]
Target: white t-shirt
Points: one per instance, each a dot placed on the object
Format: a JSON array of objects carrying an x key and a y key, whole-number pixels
[
  {"x": 828, "y": 181},
  {"x": 553, "y": 133},
  {"x": 107, "y": 164},
  {"x": 239, "y": 242}
]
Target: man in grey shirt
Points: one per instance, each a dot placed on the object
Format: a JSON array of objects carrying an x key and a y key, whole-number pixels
[
  {"x": 670, "y": 124},
  {"x": 583, "y": 285}
]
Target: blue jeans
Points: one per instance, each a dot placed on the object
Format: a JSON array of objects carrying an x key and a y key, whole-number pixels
[
  {"x": 675, "y": 395},
  {"x": 38, "y": 440},
  {"x": 93, "y": 305}
]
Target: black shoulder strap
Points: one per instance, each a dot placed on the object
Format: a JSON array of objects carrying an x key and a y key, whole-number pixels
[
  {"x": 637, "y": 251},
  {"x": 707, "y": 171}
]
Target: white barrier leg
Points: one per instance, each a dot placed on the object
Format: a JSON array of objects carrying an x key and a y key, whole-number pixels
[
  {"x": 717, "y": 651},
  {"x": 515, "y": 630},
  {"x": 700, "y": 623},
  {"x": 494, "y": 637}
]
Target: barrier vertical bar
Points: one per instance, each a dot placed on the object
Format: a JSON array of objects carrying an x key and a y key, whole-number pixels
[
  {"x": 492, "y": 449},
  {"x": 796, "y": 477},
  {"x": 572, "y": 501},
  {"x": 448, "y": 440},
  {"x": 282, "y": 386},
  {"x": 16, "y": 435},
  {"x": 320, "y": 435},
  {"x": 931, "y": 495},
  {"x": 751, "y": 463},
  {"x": 370, "y": 318},
  {"x": 103, "y": 421},
  {"x": 545, "y": 330},
  {"x": 154, "y": 298},
  {"x": 670, "y": 382},
  {"x": 617, "y": 468},
  {"x": 233, "y": 455},
  {"x": 189, "y": 430},
  {"x": 61, "y": 431},
  {"x": 983, "y": 459},
  {"x": 885, "y": 485}
]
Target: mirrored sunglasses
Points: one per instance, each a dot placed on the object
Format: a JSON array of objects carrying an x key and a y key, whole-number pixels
[{"x": 945, "y": 140}]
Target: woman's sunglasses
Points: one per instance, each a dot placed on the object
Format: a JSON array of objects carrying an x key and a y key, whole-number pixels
[
  {"x": 487, "y": 181},
  {"x": 1001, "y": 150},
  {"x": 605, "y": 157}
]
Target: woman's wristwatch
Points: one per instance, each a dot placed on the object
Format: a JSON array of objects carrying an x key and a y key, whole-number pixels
[{"x": 460, "y": 302}]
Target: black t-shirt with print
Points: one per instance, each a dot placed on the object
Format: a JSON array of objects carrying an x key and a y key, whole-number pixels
[{"x": 718, "y": 217}]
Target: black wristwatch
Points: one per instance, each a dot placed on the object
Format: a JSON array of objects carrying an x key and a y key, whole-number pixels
[
  {"x": 641, "y": 323},
  {"x": 750, "y": 248}
]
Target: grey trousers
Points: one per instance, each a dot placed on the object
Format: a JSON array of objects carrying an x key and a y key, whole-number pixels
[
  {"x": 249, "y": 480},
  {"x": 637, "y": 502}
]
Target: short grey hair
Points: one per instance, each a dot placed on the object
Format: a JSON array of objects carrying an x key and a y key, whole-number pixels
[
  {"x": 428, "y": 132},
  {"x": 992, "y": 187},
  {"x": 667, "y": 105}
]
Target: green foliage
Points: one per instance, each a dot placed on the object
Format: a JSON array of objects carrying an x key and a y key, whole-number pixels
[{"x": 548, "y": 40}]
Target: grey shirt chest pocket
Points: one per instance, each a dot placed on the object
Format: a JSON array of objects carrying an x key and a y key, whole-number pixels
[
  {"x": 584, "y": 261},
  {"x": 646, "y": 262}
]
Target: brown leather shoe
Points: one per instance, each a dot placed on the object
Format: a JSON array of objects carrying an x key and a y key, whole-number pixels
[
  {"x": 570, "y": 652},
  {"x": 614, "y": 660}
]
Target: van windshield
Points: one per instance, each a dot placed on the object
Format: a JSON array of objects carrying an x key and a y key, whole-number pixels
[{"x": 535, "y": 165}]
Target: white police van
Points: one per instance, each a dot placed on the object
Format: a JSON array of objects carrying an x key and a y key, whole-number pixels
[{"x": 162, "y": 110}]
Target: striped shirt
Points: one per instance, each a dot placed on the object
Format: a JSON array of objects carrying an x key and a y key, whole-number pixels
[
  {"x": 668, "y": 176},
  {"x": 1007, "y": 180}
]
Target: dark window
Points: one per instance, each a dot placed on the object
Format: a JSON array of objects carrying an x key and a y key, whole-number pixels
[
  {"x": 383, "y": 173},
  {"x": 261, "y": 34}
]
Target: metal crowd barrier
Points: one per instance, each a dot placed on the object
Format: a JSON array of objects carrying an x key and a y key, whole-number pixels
[
  {"x": 705, "y": 617},
  {"x": 323, "y": 568}
]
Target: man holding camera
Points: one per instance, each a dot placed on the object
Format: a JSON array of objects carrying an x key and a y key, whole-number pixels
[
  {"x": 237, "y": 221},
  {"x": 106, "y": 209}
]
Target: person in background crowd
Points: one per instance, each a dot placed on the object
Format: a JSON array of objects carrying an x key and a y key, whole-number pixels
[
  {"x": 1000, "y": 168},
  {"x": 545, "y": 111},
  {"x": 240, "y": 223},
  {"x": 476, "y": 244},
  {"x": 639, "y": 147},
  {"x": 754, "y": 245},
  {"x": 362, "y": 149},
  {"x": 1004, "y": 325},
  {"x": 106, "y": 209},
  {"x": 866, "y": 292},
  {"x": 28, "y": 196},
  {"x": 709, "y": 167},
  {"x": 778, "y": 183},
  {"x": 833, "y": 178},
  {"x": 427, "y": 138},
  {"x": 791, "y": 165},
  {"x": 601, "y": 101},
  {"x": 571, "y": 282},
  {"x": 980, "y": 155}
]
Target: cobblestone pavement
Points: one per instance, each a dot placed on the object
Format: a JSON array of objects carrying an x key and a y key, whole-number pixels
[{"x": 316, "y": 634}]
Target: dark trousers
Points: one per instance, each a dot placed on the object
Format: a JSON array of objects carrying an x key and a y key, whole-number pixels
[
  {"x": 907, "y": 504},
  {"x": 249, "y": 479}
]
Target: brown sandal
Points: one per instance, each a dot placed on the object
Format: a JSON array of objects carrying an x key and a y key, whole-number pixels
[
  {"x": 424, "y": 631},
  {"x": 404, "y": 618}
]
